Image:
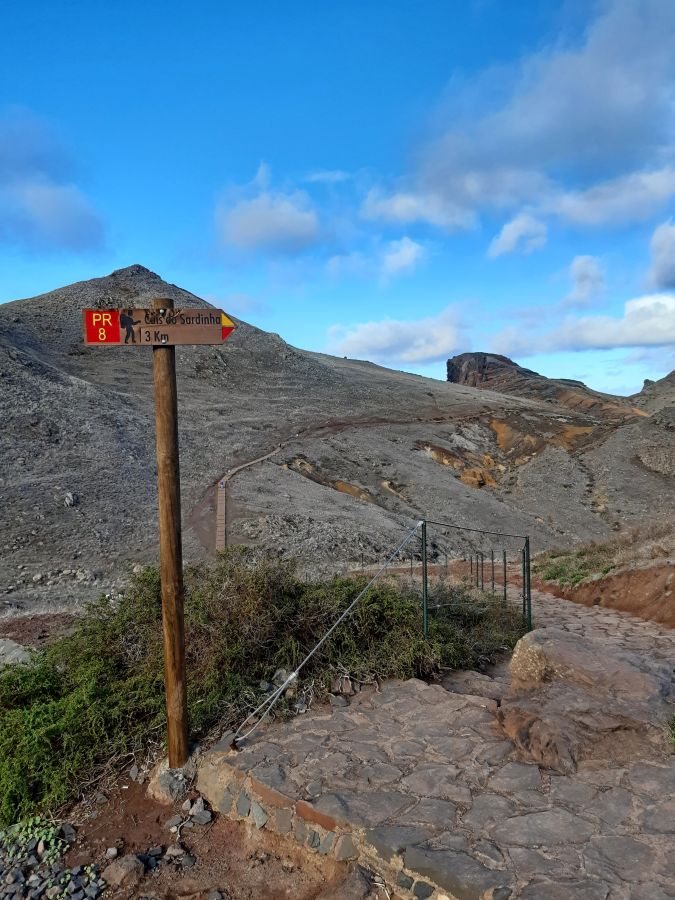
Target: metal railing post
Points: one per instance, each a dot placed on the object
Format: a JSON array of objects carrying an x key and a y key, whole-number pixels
[
  {"x": 528, "y": 594},
  {"x": 504, "y": 571},
  {"x": 492, "y": 565},
  {"x": 425, "y": 585}
]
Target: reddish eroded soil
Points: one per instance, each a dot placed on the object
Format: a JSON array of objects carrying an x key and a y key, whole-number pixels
[
  {"x": 648, "y": 593},
  {"x": 242, "y": 864},
  {"x": 36, "y": 631}
]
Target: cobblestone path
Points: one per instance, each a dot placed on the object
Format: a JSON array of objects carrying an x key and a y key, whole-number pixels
[{"x": 422, "y": 785}]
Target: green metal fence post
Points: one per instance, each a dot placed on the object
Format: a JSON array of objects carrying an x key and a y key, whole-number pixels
[
  {"x": 504, "y": 571},
  {"x": 425, "y": 586},
  {"x": 528, "y": 594}
]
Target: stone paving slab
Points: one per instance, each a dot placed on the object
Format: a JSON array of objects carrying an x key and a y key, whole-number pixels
[{"x": 420, "y": 783}]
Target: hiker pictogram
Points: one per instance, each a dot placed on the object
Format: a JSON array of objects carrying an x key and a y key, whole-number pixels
[{"x": 128, "y": 322}]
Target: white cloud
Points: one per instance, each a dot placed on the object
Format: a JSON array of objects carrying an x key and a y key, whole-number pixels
[
  {"x": 524, "y": 233},
  {"x": 647, "y": 321},
  {"x": 394, "y": 258},
  {"x": 596, "y": 114},
  {"x": 41, "y": 207},
  {"x": 267, "y": 220},
  {"x": 401, "y": 257},
  {"x": 588, "y": 280},
  {"x": 282, "y": 223},
  {"x": 628, "y": 198},
  {"x": 404, "y": 208},
  {"x": 403, "y": 342},
  {"x": 662, "y": 246}
]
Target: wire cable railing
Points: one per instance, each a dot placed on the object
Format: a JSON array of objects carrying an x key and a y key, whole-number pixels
[
  {"x": 474, "y": 564},
  {"x": 268, "y": 704}
]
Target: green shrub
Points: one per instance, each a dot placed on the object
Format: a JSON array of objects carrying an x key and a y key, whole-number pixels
[{"x": 98, "y": 693}]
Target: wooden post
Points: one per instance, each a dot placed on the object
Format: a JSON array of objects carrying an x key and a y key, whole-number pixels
[{"x": 170, "y": 547}]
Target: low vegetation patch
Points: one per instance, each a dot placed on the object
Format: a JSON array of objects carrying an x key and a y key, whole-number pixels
[
  {"x": 570, "y": 567},
  {"x": 93, "y": 696},
  {"x": 573, "y": 567}
]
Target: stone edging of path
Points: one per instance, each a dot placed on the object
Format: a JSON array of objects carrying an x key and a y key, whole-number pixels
[{"x": 384, "y": 849}]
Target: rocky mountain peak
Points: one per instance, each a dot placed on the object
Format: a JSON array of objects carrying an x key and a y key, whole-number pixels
[
  {"x": 475, "y": 369},
  {"x": 135, "y": 269},
  {"x": 494, "y": 372}
]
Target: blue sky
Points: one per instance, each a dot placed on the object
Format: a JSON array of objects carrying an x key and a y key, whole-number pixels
[{"x": 397, "y": 181}]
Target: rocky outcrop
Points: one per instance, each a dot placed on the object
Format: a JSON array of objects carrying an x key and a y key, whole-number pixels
[
  {"x": 570, "y": 693},
  {"x": 499, "y": 373},
  {"x": 477, "y": 369},
  {"x": 658, "y": 396}
]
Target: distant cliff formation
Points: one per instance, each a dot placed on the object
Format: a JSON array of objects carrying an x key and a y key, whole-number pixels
[{"x": 499, "y": 373}]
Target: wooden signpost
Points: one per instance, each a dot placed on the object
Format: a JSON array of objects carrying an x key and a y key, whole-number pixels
[{"x": 162, "y": 327}]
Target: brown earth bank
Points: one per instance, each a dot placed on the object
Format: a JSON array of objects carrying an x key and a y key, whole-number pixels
[
  {"x": 36, "y": 631},
  {"x": 648, "y": 593},
  {"x": 229, "y": 858}
]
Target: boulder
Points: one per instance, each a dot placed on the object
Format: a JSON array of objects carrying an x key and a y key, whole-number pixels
[
  {"x": 125, "y": 872},
  {"x": 569, "y": 693},
  {"x": 12, "y": 653},
  {"x": 551, "y": 654}
]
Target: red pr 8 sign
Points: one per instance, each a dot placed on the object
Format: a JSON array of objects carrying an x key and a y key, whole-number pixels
[{"x": 102, "y": 326}]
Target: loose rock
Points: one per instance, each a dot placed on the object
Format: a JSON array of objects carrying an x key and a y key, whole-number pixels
[{"x": 124, "y": 872}]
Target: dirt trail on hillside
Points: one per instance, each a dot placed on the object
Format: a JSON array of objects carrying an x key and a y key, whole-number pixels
[{"x": 202, "y": 519}]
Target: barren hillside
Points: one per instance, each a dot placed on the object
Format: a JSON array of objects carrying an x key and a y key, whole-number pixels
[{"x": 354, "y": 452}]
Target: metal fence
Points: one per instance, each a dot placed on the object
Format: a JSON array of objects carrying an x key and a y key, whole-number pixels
[{"x": 491, "y": 562}]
